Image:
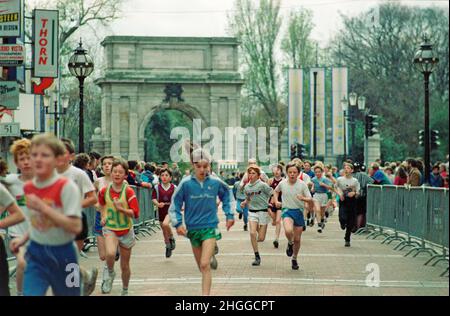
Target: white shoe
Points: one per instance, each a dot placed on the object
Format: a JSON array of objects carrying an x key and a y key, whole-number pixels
[
  {"x": 107, "y": 284},
  {"x": 124, "y": 292}
]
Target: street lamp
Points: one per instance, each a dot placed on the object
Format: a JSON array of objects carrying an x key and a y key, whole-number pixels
[
  {"x": 425, "y": 62},
  {"x": 81, "y": 66},
  {"x": 351, "y": 107},
  {"x": 57, "y": 115}
]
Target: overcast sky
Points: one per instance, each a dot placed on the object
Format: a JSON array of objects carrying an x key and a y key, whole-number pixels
[{"x": 209, "y": 17}]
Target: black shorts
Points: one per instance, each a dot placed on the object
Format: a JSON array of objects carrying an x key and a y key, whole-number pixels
[
  {"x": 84, "y": 230},
  {"x": 274, "y": 209}
]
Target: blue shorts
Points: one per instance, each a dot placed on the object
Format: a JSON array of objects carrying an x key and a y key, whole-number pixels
[
  {"x": 51, "y": 266},
  {"x": 98, "y": 228},
  {"x": 296, "y": 215}
]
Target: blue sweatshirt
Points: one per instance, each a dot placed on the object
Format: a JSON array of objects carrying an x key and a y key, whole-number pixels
[{"x": 200, "y": 203}]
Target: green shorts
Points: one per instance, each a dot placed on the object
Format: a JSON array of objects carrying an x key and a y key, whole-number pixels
[{"x": 197, "y": 236}]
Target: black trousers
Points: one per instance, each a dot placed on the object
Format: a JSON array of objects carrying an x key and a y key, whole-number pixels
[
  {"x": 347, "y": 216},
  {"x": 4, "y": 271}
]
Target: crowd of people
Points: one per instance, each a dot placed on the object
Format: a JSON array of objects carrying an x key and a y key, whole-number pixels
[{"x": 41, "y": 206}]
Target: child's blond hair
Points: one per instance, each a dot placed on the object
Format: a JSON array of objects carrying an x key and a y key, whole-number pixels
[{"x": 51, "y": 141}]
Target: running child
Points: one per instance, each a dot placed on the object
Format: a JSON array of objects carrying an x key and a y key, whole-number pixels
[
  {"x": 162, "y": 197},
  {"x": 295, "y": 194},
  {"x": 106, "y": 164},
  {"x": 88, "y": 199},
  {"x": 119, "y": 207},
  {"x": 14, "y": 216},
  {"x": 321, "y": 188},
  {"x": 198, "y": 192},
  {"x": 20, "y": 150},
  {"x": 257, "y": 195},
  {"x": 274, "y": 211},
  {"x": 54, "y": 206},
  {"x": 348, "y": 190}
]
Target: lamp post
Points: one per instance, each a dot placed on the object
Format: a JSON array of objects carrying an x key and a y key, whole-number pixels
[
  {"x": 351, "y": 107},
  {"x": 315, "y": 116},
  {"x": 425, "y": 62},
  {"x": 81, "y": 66},
  {"x": 56, "y": 113}
]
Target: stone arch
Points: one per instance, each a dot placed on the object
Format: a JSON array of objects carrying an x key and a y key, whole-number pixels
[{"x": 191, "y": 112}]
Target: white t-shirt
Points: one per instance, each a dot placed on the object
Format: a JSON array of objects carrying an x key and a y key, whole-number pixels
[
  {"x": 6, "y": 199},
  {"x": 81, "y": 180},
  {"x": 42, "y": 229},
  {"x": 348, "y": 185},
  {"x": 290, "y": 191},
  {"x": 15, "y": 186}
]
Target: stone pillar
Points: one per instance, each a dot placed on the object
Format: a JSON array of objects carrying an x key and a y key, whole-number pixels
[
  {"x": 115, "y": 128},
  {"x": 133, "y": 152}
]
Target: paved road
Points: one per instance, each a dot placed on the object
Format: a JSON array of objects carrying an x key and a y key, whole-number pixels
[{"x": 326, "y": 267}]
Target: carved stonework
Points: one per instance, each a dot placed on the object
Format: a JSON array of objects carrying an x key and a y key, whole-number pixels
[{"x": 173, "y": 90}]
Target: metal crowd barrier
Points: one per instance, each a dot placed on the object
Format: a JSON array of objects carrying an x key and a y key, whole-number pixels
[
  {"x": 145, "y": 225},
  {"x": 417, "y": 217}
]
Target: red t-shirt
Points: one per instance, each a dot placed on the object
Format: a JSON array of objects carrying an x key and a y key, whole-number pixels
[{"x": 131, "y": 199}]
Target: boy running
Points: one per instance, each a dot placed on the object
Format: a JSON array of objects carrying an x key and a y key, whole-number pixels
[
  {"x": 119, "y": 206},
  {"x": 257, "y": 195},
  {"x": 161, "y": 197},
  {"x": 88, "y": 199},
  {"x": 294, "y": 194},
  {"x": 348, "y": 189},
  {"x": 15, "y": 216},
  {"x": 20, "y": 150},
  {"x": 54, "y": 205},
  {"x": 198, "y": 192}
]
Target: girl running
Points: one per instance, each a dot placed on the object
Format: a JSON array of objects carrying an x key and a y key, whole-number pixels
[
  {"x": 198, "y": 193},
  {"x": 161, "y": 197},
  {"x": 257, "y": 195},
  {"x": 119, "y": 206},
  {"x": 295, "y": 194},
  {"x": 321, "y": 189},
  {"x": 274, "y": 211},
  {"x": 240, "y": 197}
]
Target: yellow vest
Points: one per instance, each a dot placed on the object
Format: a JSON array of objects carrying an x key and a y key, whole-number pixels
[{"x": 116, "y": 220}]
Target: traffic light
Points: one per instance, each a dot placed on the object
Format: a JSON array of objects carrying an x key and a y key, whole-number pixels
[
  {"x": 302, "y": 153},
  {"x": 371, "y": 125},
  {"x": 434, "y": 139},
  {"x": 421, "y": 137},
  {"x": 293, "y": 151}
]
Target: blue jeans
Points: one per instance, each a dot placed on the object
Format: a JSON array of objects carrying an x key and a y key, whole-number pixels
[
  {"x": 54, "y": 266},
  {"x": 240, "y": 210}
]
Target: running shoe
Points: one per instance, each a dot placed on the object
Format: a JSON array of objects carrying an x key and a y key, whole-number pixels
[
  {"x": 240, "y": 215},
  {"x": 168, "y": 252},
  {"x": 257, "y": 261},
  {"x": 290, "y": 250},
  {"x": 89, "y": 282},
  {"x": 311, "y": 223},
  {"x": 172, "y": 243},
  {"x": 107, "y": 285},
  {"x": 124, "y": 292},
  {"x": 245, "y": 228},
  {"x": 275, "y": 243},
  {"x": 347, "y": 244},
  {"x": 294, "y": 265},
  {"x": 213, "y": 263},
  {"x": 327, "y": 214}
]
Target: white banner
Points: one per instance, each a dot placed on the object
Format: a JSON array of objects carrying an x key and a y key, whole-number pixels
[
  {"x": 339, "y": 91},
  {"x": 46, "y": 44},
  {"x": 10, "y": 18},
  {"x": 320, "y": 111},
  {"x": 295, "y": 110}
]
